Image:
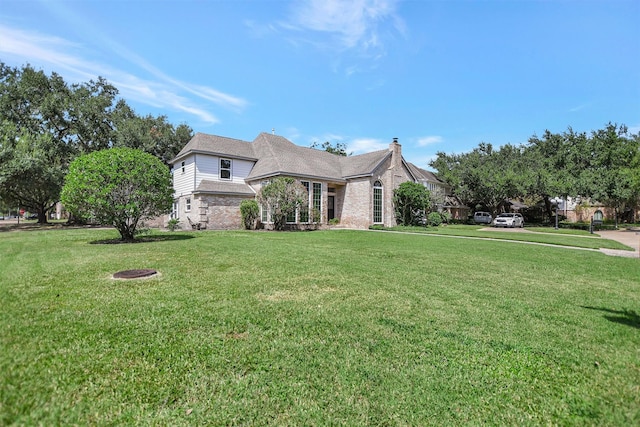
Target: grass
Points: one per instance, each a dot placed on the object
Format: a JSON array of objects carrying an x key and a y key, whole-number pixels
[
  {"x": 314, "y": 328},
  {"x": 548, "y": 236}
]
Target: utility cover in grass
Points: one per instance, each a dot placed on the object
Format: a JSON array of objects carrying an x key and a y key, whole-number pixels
[{"x": 135, "y": 274}]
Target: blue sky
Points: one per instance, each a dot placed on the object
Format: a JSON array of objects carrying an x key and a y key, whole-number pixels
[{"x": 439, "y": 75}]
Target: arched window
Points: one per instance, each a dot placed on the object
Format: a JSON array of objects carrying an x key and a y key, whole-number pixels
[{"x": 377, "y": 202}]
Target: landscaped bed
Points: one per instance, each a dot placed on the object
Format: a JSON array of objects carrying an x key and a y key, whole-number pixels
[{"x": 314, "y": 328}]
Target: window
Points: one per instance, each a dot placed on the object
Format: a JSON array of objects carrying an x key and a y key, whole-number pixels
[
  {"x": 265, "y": 214},
  {"x": 304, "y": 209},
  {"x": 187, "y": 204},
  {"x": 317, "y": 198},
  {"x": 377, "y": 202},
  {"x": 225, "y": 169},
  {"x": 182, "y": 167},
  {"x": 174, "y": 209}
]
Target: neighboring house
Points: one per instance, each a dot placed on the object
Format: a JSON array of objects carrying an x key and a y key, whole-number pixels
[{"x": 212, "y": 175}]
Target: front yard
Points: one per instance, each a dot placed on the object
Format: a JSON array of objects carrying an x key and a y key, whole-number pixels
[{"x": 314, "y": 328}]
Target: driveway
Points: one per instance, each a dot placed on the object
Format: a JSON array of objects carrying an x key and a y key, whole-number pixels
[{"x": 629, "y": 237}]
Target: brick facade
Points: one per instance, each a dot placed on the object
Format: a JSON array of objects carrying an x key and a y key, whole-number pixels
[
  {"x": 220, "y": 211},
  {"x": 210, "y": 200}
]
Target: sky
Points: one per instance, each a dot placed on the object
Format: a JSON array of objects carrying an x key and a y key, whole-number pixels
[{"x": 441, "y": 76}]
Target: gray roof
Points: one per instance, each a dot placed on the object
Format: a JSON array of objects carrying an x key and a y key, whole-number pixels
[
  {"x": 363, "y": 164},
  {"x": 223, "y": 187},
  {"x": 279, "y": 156},
  {"x": 424, "y": 175},
  {"x": 275, "y": 155},
  {"x": 453, "y": 202},
  {"x": 217, "y": 145}
]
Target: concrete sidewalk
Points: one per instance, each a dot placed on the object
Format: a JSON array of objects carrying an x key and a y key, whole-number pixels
[{"x": 629, "y": 237}]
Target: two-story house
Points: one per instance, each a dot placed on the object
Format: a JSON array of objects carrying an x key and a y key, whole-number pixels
[{"x": 212, "y": 175}]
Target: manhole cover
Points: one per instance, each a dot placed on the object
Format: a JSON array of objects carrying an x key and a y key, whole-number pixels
[{"x": 134, "y": 274}]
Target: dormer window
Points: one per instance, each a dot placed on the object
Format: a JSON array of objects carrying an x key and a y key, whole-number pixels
[{"x": 225, "y": 169}]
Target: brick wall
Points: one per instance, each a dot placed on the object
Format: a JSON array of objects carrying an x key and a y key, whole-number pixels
[
  {"x": 357, "y": 208},
  {"x": 220, "y": 212},
  {"x": 357, "y": 204}
]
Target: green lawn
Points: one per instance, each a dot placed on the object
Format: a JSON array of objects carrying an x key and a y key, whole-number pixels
[
  {"x": 549, "y": 236},
  {"x": 315, "y": 328}
]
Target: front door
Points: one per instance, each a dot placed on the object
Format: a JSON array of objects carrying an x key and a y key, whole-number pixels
[{"x": 330, "y": 207}]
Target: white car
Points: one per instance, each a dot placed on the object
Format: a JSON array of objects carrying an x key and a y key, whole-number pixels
[{"x": 509, "y": 220}]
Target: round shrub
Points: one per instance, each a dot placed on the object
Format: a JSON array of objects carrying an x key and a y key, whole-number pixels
[{"x": 435, "y": 219}]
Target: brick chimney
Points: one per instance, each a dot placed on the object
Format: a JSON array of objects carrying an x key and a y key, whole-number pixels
[{"x": 396, "y": 156}]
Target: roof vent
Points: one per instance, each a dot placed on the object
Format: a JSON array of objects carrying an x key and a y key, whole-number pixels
[{"x": 395, "y": 140}]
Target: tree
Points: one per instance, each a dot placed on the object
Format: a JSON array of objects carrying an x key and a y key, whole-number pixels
[
  {"x": 46, "y": 123},
  {"x": 610, "y": 178},
  {"x": 153, "y": 135},
  {"x": 411, "y": 202},
  {"x": 31, "y": 170},
  {"x": 484, "y": 176},
  {"x": 598, "y": 166},
  {"x": 340, "y": 148},
  {"x": 249, "y": 210},
  {"x": 282, "y": 197},
  {"x": 119, "y": 187}
]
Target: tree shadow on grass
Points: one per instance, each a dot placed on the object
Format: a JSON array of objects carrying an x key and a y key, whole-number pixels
[
  {"x": 144, "y": 239},
  {"x": 624, "y": 317}
]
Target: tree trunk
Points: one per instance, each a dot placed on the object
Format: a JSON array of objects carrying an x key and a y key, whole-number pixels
[{"x": 42, "y": 217}]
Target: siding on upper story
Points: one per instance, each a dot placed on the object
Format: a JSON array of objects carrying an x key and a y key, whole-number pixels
[
  {"x": 208, "y": 168},
  {"x": 183, "y": 179}
]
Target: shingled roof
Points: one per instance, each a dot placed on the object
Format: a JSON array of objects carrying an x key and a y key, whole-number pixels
[
  {"x": 217, "y": 146},
  {"x": 275, "y": 155},
  {"x": 424, "y": 175},
  {"x": 221, "y": 187}
]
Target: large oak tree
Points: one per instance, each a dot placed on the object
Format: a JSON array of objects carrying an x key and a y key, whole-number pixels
[{"x": 46, "y": 123}]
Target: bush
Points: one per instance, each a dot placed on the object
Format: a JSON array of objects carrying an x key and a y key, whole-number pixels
[
  {"x": 434, "y": 219},
  {"x": 173, "y": 224},
  {"x": 120, "y": 186},
  {"x": 249, "y": 210},
  {"x": 410, "y": 201},
  {"x": 283, "y": 196}
]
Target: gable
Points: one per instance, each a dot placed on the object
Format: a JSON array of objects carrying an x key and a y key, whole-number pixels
[
  {"x": 272, "y": 155},
  {"x": 217, "y": 146}
]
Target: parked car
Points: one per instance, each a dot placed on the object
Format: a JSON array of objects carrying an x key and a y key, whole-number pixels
[
  {"x": 509, "y": 220},
  {"x": 482, "y": 218}
]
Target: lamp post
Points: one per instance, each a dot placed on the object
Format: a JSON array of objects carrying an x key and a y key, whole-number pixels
[{"x": 556, "y": 201}]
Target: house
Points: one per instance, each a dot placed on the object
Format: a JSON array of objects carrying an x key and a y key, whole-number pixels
[{"x": 212, "y": 175}]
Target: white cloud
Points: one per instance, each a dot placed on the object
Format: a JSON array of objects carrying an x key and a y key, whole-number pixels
[
  {"x": 70, "y": 60},
  {"x": 429, "y": 140},
  {"x": 423, "y": 162},
  {"x": 350, "y": 24},
  {"x": 331, "y": 137},
  {"x": 579, "y": 107},
  {"x": 634, "y": 130},
  {"x": 354, "y": 21},
  {"x": 366, "y": 145}
]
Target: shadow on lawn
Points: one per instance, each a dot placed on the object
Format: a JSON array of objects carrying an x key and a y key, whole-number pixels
[
  {"x": 144, "y": 239},
  {"x": 624, "y": 317}
]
